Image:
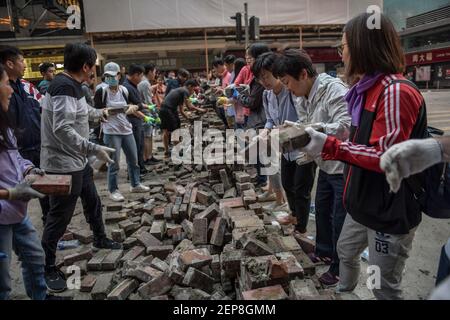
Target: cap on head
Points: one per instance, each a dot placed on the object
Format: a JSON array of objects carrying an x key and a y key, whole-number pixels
[{"x": 111, "y": 69}]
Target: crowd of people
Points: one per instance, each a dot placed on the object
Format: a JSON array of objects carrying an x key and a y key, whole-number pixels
[{"x": 361, "y": 154}]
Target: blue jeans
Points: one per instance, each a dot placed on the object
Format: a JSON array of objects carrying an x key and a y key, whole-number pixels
[
  {"x": 444, "y": 266},
  {"x": 23, "y": 238},
  {"x": 330, "y": 216},
  {"x": 128, "y": 144}
]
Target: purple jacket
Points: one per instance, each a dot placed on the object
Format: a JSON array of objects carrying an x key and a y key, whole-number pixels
[{"x": 13, "y": 167}]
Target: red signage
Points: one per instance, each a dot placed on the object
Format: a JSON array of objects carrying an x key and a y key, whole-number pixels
[
  {"x": 427, "y": 57},
  {"x": 323, "y": 54}
]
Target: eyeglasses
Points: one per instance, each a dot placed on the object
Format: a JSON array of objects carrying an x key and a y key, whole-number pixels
[{"x": 340, "y": 48}]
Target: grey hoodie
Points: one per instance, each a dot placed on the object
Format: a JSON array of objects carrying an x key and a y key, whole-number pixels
[{"x": 326, "y": 104}]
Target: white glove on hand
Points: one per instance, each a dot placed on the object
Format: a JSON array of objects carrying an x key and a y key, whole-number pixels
[
  {"x": 304, "y": 158},
  {"x": 315, "y": 146},
  {"x": 23, "y": 191},
  {"x": 408, "y": 158},
  {"x": 131, "y": 109},
  {"x": 102, "y": 154}
]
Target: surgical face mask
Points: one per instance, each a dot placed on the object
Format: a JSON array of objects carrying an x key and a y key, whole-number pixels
[{"x": 111, "y": 81}]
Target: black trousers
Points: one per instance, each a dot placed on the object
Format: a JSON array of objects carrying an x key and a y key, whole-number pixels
[
  {"x": 138, "y": 132},
  {"x": 297, "y": 183},
  {"x": 62, "y": 208},
  {"x": 35, "y": 157},
  {"x": 330, "y": 216}
]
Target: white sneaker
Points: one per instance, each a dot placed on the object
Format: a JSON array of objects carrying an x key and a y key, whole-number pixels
[
  {"x": 140, "y": 188},
  {"x": 116, "y": 196},
  {"x": 270, "y": 207}
]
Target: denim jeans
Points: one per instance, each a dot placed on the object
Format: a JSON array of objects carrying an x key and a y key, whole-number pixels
[
  {"x": 128, "y": 144},
  {"x": 24, "y": 240},
  {"x": 330, "y": 216}
]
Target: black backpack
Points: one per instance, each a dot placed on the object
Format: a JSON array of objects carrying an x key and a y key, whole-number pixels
[{"x": 431, "y": 188}]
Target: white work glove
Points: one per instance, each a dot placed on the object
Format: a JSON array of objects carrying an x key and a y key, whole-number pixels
[
  {"x": 132, "y": 109},
  {"x": 102, "y": 153},
  {"x": 304, "y": 158},
  {"x": 408, "y": 158},
  {"x": 36, "y": 171},
  {"x": 23, "y": 191},
  {"x": 314, "y": 148}
]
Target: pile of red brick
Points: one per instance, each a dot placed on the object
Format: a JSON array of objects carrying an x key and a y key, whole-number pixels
[{"x": 200, "y": 234}]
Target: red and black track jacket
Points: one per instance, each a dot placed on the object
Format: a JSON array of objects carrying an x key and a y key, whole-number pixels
[{"x": 393, "y": 112}]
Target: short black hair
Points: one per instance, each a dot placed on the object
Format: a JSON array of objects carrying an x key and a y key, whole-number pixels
[
  {"x": 76, "y": 55},
  {"x": 257, "y": 49},
  {"x": 43, "y": 67},
  {"x": 135, "y": 69},
  {"x": 291, "y": 62},
  {"x": 217, "y": 62},
  {"x": 265, "y": 61},
  {"x": 229, "y": 59},
  {"x": 9, "y": 53},
  {"x": 183, "y": 73},
  {"x": 150, "y": 67},
  {"x": 191, "y": 82}
]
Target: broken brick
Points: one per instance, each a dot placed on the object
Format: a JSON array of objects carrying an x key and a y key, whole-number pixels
[
  {"x": 160, "y": 251},
  {"x": 111, "y": 261},
  {"x": 133, "y": 253},
  {"x": 102, "y": 286},
  {"x": 211, "y": 212},
  {"x": 88, "y": 282},
  {"x": 71, "y": 259},
  {"x": 200, "y": 231},
  {"x": 123, "y": 290},
  {"x": 196, "y": 258},
  {"x": 158, "y": 229},
  {"x": 197, "y": 279},
  {"x": 156, "y": 287},
  {"x": 218, "y": 232},
  {"x": 303, "y": 289},
  {"x": 203, "y": 197},
  {"x": 95, "y": 263},
  {"x": 267, "y": 293},
  {"x": 257, "y": 248},
  {"x": 118, "y": 235}
]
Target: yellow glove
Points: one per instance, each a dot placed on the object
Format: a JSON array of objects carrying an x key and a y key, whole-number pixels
[{"x": 222, "y": 101}]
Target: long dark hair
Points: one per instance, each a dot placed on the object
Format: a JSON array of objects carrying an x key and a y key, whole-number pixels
[
  {"x": 239, "y": 63},
  {"x": 373, "y": 50},
  {"x": 5, "y": 141}
]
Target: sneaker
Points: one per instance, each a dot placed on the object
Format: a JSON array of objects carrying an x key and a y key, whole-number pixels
[
  {"x": 266, "y": 197},
  {"x": 143, "y": 172},
  {"x": 105, "y": 243},
  {"x": 116, "y": 196},
  {"x": 55, "y": 279},
  {"x": 152, "y": 161},
  {"x": 140, "y": 188},
  {"x": 328, "y": 279},
  {"x": 270, "y": 207}
]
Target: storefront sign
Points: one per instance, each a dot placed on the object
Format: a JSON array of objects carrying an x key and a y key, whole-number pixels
[{"x": 427, "y": 57}]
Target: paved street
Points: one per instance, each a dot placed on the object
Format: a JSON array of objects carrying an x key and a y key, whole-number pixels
[{"x": 421, "y": 266}]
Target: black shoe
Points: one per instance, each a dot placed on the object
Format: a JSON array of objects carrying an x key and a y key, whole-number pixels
[
  {"x": 143, "y": 172},
  {"x": 55, "y": 279},
  {"x": 59, "y": 298},
  {"x": 105, "y": 243}
]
